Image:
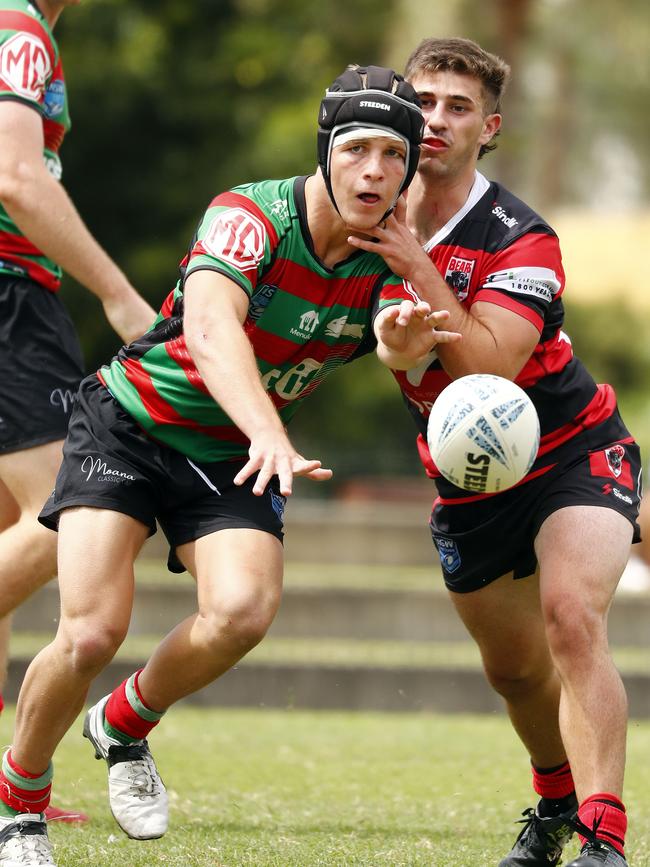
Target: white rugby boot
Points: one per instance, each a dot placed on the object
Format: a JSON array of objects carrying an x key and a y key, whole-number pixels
[
  {"x": 24, "y": 841},
  {"x": 136, "y": 793}
]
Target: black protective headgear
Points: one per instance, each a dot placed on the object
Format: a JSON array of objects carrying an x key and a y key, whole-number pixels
[{"x": 371, "y": 96}]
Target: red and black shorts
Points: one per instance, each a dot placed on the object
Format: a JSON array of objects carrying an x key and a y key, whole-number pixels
[
  {"x": 109, "y": 462},
  {"x": 481, "y": 540},
  {"x": 41, "y": 365}
]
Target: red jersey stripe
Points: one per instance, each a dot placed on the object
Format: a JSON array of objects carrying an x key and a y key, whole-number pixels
[{"x": 491, "y": 296}]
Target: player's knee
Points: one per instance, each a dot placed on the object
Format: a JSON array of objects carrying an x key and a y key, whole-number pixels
[
  {"x": 574, "y": 627},
  {"x": 90, "y": 647},
  {"x": 515, "y": 679},
  {"x": 241, "y": 622}
]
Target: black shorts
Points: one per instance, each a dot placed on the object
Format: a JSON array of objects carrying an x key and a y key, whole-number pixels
[
  {"x": 479, "y": 541},
  {"x": 109, "y": 462},
  {"x": 41, "y": 365}
]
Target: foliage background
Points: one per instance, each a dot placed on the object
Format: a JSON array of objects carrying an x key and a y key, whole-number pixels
[{"x": 173, "y": 102}]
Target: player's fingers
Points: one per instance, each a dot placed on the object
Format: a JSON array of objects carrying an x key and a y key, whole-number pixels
[
  {"x": 264, "y": 477},
  {"x": 447, "y": 336},
  {"x": 406, "y": 309},
  {"x": 437, "y": 317},
  {"x": 246, "y": 471},
  {"x": 319, "y": 475}
]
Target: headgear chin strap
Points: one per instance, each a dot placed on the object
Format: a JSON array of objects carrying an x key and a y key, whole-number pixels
[{"x": 376, "y": 97}]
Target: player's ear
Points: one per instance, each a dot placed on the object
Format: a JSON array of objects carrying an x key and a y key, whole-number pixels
[{"x": 491, "y": 126}]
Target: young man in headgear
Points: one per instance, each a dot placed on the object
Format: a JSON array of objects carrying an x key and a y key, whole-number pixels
[{"x": 186, "y": 426}]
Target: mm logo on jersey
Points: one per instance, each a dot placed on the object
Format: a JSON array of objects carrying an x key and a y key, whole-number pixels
[
  {"x": 459, "y": 275},
  {"x": 236, "y": 237},
  {"x": 25, "y": 65}
]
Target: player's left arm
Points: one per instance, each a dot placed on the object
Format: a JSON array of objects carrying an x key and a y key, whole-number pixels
[
  {"x": 496, "y": 338},
  {"x": 45, "y": 214}
]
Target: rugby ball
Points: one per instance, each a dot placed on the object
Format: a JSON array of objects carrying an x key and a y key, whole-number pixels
[{"x": 483, "y": 433}]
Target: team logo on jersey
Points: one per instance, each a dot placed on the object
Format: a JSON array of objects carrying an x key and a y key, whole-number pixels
[
  {"x": 236, "y": 237},
  {"x": 25, "y": 65},
  {"x": 261, "y": 299},
  {"x": 54, "y": 99},
  {"x": 459, "y": 274},
  {"x": 280, "y": 209},
  {"x": 342, "y": 328},
  {"x": 307, "y": 324},
  {"x": 448, "y": 553}
]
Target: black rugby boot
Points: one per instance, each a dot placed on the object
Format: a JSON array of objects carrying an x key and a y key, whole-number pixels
[
  {"x": 541, "y": 840},
  {"x": 598, "y": 854}
]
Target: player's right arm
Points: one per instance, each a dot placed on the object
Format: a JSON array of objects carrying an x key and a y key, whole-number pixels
[
  {"x": 215, "y": 310},
  {"x": 44, "y": 213}
]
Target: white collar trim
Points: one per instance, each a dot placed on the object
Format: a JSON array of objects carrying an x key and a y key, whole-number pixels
[{"x": 479, "y": 188}]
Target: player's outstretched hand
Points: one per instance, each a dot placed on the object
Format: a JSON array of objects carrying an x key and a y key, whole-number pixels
[
  {"x": 409, "y": 331},
  {"x": 271, "y": 455}
]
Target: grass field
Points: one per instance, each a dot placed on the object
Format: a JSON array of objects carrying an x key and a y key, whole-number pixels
[{"x": 296, "y": 789}]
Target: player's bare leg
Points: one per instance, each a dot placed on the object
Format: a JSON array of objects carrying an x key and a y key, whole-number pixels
[
  {"x": 239, "y": 582},
  {"x": 505, "y": 620},
  {"x": 582, "y": 551},
  {"x": 239, "y": 585},
  {"x": 97, "y": 549},
  {"x": 27, "y": 549}
]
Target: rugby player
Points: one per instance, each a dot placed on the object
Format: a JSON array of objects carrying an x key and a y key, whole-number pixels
[
  {"x": 40, "y": 357},
  {"x": 532, "y": 570},
  {"x": 186, "y": 426}
]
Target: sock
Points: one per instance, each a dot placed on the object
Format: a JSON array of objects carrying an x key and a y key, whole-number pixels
[
  {"x": 22, "y": 792},
  {"x": 605, "y": 814},
  {"x": 2, "y": 703},
  {"x": 556, "y": 789},
  {"x": 127, "y": 718}
]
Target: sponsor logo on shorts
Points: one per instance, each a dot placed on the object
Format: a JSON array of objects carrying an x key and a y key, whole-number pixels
[
  {"x": 63, "y": 397},
  {"x": 448, "y": 553},
  {"x": 610, "y": 489},
  {"x": 96, "y": 468},
  {"x": 278, "y": 502},
  {"x": 458, "y": 275}
]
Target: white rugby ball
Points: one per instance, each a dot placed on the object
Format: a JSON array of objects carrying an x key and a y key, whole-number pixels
[{"x": 483, "y": 433}]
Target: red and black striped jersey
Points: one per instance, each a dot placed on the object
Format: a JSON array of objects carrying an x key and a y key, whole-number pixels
[{"x": 496, "y": 249}]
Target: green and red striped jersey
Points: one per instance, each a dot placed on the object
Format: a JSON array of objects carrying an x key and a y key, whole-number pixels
[
  {"x": 31, "y": 73},
  {"x": 304, "y": 319}
]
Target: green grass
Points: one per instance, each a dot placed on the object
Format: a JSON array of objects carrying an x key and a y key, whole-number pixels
[{"x": 298, "y": 789}]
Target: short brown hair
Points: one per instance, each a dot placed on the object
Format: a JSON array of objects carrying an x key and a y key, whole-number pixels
[{"x": 466, "y": 58}]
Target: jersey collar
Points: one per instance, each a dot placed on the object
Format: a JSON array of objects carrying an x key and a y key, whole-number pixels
[{"x": 479, "y": 188}]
